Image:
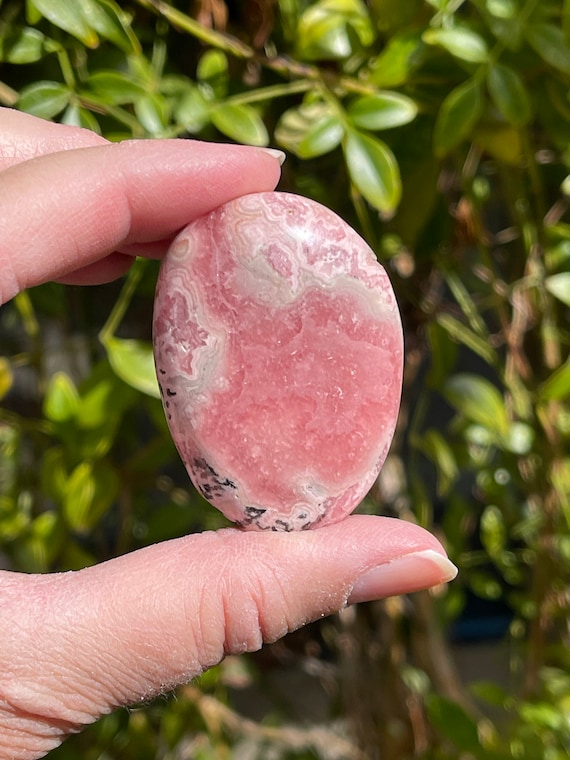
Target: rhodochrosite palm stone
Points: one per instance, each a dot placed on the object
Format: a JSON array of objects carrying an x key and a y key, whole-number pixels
[{"x": 278, "y": 347}]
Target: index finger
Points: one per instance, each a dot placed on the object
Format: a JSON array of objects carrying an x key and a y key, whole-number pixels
[
  {"x": 23, "y": 137},
  {"x": 64, "y": 211}
]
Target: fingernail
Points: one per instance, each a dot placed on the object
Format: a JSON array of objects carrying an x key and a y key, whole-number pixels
[
  {"x": 274, "y": 153},
  {"x": 411, "y": 572}
]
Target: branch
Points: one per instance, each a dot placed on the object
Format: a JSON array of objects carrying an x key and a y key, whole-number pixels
[{"x": 215, "y": 714}]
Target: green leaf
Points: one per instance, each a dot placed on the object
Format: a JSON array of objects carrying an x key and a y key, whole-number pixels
[
  {"x": 560, "y": 478},
  {"x": 519, "y": 439},
  {"x": 443, "y": 355},
  {"x": 490, "y": 692},
  {"x": 111, "y": 22},
  {"x": 14, "y": 521},
  {"x": 192, "y": 110},
  {"x": 152, "y": 112},
  {"x": 133, "y": 361},
  {"x": 75, "y": 116},
  {"x": 212, "y": 73},
  {"x": 310, "y": 130},
  {"x": 548, "y": 41},
  {"x": 33, "y": 16},
  {"x": 506, "y": 9},
  {"x": 383, "y": 110},
  {"x": 453, "y": 723},
  {"x": 322, "y": 137},
  {"x": 438, "y": 450},
  {"x": 22, "y": 46},
  {"x": 104, "y": 399},
  {"x": 394, "y": 65},
  {"x": 90, "y": 491},
  {"x": 6, "y": 377},
  {"x": 115, "y": 87},
  {"x": 42, "y": 542},
  {"x": 459, "y": 113},
  {"x": 374, "y": 171},
  {"x": 61, "y": 400},
  {"x": 493, "y": 531},
  {"x": 460, "y": 42},
  {"x": 559, "y": 286},
  {"x": 479, "y": 401},
  {"x": 44, "y": 99},
  {"x": 544, "y": 717},
  {"x": 68, "y": 15},
  {"x": 241, "y": 123},
  {"x": 486, "y": 586},
  {"x": 53, "y": 473},
  {"x": 566, "y": 20},
  {"x": 509, "y": 94},
  {"x": 557, "y": 256},
  {"x": 466, "y": 303},
  {"x": 502, "y": 141},
  {"x": 557, "y": 386},
  {"x": 99, "y": 399},
  {"x": 463, "y": 334},
  {"x": 333, "y": 29},
  {"x": 78, "y": 496}
]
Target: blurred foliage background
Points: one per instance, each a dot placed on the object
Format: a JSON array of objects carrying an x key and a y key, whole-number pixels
[{"x": 440, "y": 130}]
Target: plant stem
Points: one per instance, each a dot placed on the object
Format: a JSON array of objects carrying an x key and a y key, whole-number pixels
[
  {"x": 272, "y": 92},
  {"x": 209, "y": 36},
  {"x": 66, "y": 67},
  {"x": 364, "y": 218},
  {"x": 98, "y": 105},
  {"x": 283, "y": 65},
  {"x": 123, "y": 301},
  {"x": 8, "y": 96}
]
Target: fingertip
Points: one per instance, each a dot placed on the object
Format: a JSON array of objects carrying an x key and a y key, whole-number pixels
[
  {"x": 405, "y": 574},
  {"x": 279, "y": 155}
]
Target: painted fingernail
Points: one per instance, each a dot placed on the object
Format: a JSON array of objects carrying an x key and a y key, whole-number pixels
[
  {"x": 411, "y": 572},
  {"x": 274, "y": 153}
]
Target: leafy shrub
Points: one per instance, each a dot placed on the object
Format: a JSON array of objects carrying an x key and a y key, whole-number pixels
[{"x": 440, "y": 129}]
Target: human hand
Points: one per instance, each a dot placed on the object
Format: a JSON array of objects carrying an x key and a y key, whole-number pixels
[
  {"x": 74, "y": 646},
  {"x": 78, "y": 209}
]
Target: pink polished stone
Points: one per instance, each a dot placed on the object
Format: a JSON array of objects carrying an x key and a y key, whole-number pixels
[{"x": 278, "y": 347}]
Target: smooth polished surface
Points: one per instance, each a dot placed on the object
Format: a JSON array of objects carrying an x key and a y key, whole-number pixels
[{"x": 279, "y": 353}]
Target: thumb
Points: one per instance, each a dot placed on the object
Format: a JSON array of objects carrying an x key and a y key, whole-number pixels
[{"x": 137, "y": 625}]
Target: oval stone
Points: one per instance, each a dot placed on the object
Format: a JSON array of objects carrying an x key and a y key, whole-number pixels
[{"x": 279, "y": 351}]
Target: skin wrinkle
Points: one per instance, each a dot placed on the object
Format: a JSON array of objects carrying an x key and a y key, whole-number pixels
[
  {"x": 14, "y": 152},
  {"x": 32, "y": 737},
  {"x": 25, "y": 744},
  {"x": 241, "y": 618},
  {"x": 121, "y": 676},
  {"x": 271, "y": 631},
  {"x": 205, "y": 619},
  {"x": 33, "y": 693},
  {"x": 125, "y": 672},
  {"x": 240, "y": 601},
  {"x": 39, "y": 712},
  {"x": 253, "y": 588},
  {"x": 181, "y": 641},
  {"x": 42, "y": 726},
  {"x": 74, "y": 635}
]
